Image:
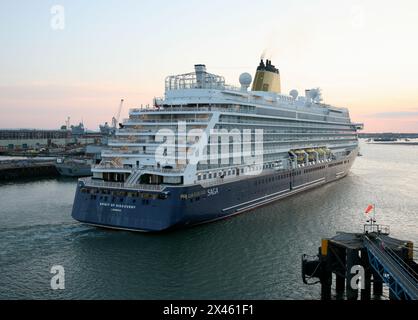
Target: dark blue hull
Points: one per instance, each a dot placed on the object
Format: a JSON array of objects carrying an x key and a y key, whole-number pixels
[{"x": 190, "y": 205}]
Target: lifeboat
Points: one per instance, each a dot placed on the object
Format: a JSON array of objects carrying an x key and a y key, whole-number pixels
[
  {"x": 312, "y": 154},
  {"x": 301, "y": 154}
]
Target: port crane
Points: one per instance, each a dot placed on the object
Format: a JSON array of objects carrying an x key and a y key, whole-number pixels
[
  {"x": 115, "y": 119},
  {"x": 67, "y": 123}
]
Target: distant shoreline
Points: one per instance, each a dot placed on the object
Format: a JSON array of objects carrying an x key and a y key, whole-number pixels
[{"x": 396, "y": 143}]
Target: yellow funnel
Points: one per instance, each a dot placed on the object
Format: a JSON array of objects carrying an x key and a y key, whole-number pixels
[{"x": 267, "y": 78}]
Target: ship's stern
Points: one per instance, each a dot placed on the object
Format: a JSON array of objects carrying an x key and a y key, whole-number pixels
[{"x": 147, "y": 211}]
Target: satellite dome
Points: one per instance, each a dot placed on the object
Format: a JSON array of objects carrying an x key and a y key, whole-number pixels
[
  {"x": 294, "y": 94},
  {"x": 245, "y": 79}
]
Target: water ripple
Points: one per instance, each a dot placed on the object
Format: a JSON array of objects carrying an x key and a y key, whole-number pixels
[{"x": 255, "y": 255}]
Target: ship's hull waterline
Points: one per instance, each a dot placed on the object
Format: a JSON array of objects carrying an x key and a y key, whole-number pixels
[{"x": 130, "y": 210}]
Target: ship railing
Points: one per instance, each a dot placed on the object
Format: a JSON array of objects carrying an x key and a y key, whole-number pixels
[
  {"x": 232, "y": 88},
  {"x": 244, "y": 98},
  {"x": 195, "y": 109},
  {"x": 125, "y": 152},
  {"x": 90, "y": 182},
  {"x": 162, "y": 121},
  {"x": 129, "y": 141},
  {"x": 110, "y": 166},
  {"x": 164, "y": 170},
  {"x": 145, "y": 168},
  {"x": 376, "y": 228}
]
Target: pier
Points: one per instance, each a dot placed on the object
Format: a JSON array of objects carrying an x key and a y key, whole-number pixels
[
  {"x": 17, "y": 169},
  {"x": 361, "y": 262}
]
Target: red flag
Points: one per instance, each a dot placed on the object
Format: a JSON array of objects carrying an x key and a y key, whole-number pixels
[{"x": 368, "y": 209}]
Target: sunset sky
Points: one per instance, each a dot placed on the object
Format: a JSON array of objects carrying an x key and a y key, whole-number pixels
[{"x": 362, "y": 54}]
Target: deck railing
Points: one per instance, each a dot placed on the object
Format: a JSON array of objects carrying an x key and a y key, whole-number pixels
[
  {"x": 90, "y": 182},
  {"x": 196, "y": 109}
]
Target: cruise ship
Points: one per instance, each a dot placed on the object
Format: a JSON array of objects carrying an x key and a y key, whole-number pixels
[{"x": 208, "y": 150}]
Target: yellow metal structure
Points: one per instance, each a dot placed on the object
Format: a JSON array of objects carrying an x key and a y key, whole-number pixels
[
  {"x": 266, "y": 81},
  {"x": 267, "y": 78},
  {"x": 324, "y": 247},
  {"x": 410, "y": 246}
]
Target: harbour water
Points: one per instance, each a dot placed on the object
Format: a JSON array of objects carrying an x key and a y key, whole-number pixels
[{"x": 252, "y": 256}]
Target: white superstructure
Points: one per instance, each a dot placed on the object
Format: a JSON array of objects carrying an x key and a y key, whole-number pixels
[{"x": 297, "y": 131}]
